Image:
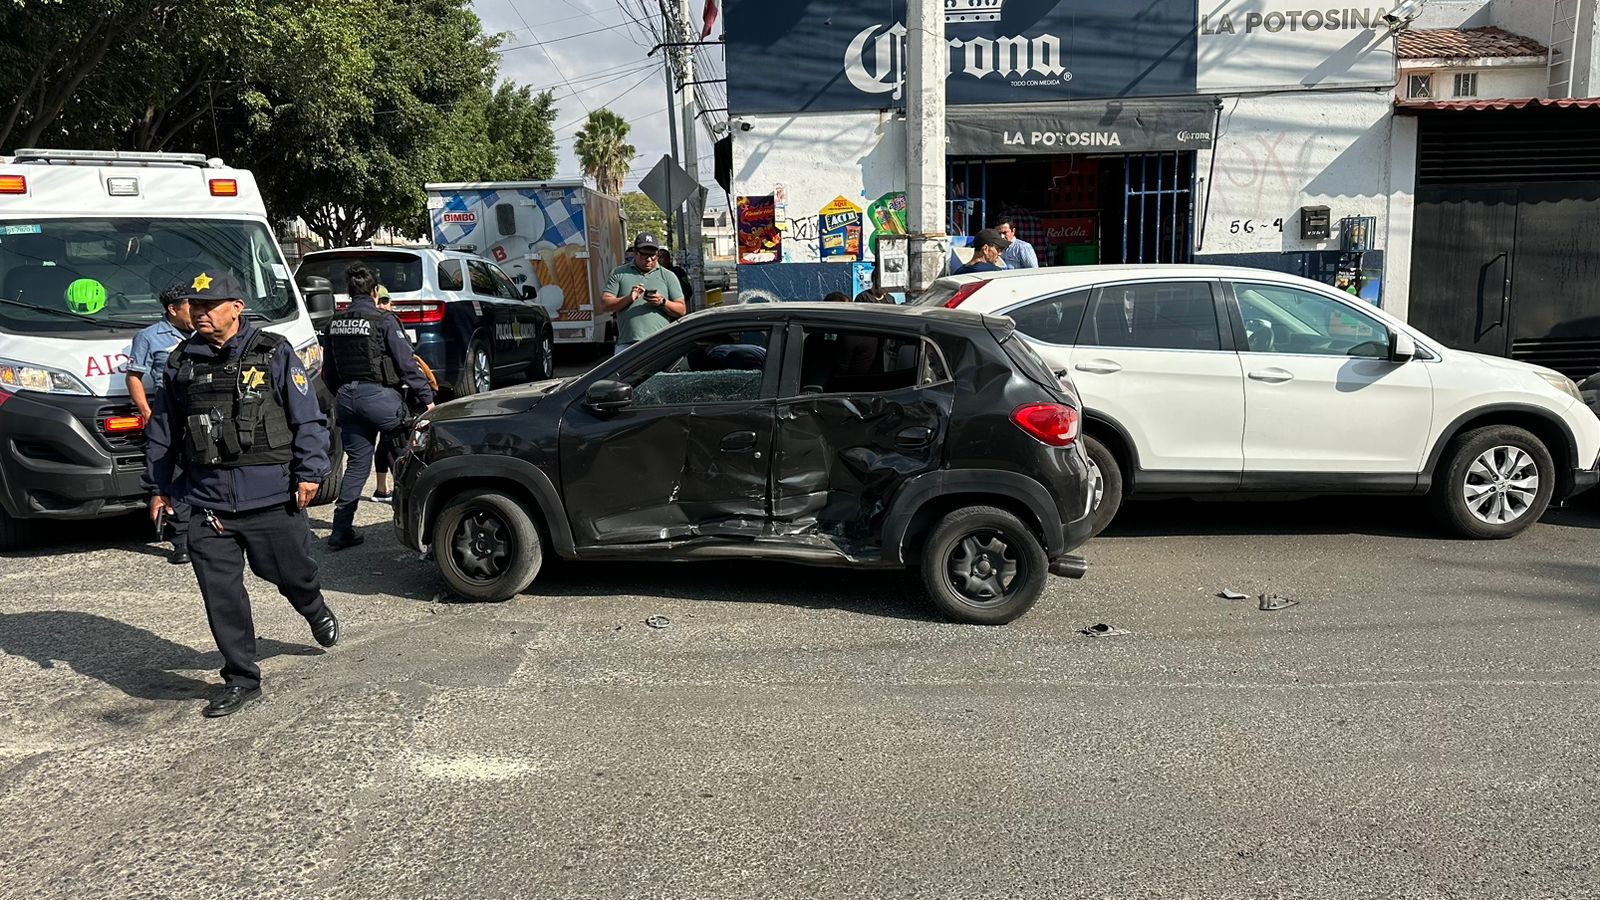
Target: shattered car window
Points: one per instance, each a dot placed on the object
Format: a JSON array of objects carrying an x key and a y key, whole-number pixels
[
  {"x": 853, "y": 362},
  {"x": 717, "y": 368}
]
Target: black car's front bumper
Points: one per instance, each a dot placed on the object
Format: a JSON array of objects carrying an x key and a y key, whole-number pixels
[
  {"x": 1584, "y": 479},
  {"x": 56, "y": 464}
]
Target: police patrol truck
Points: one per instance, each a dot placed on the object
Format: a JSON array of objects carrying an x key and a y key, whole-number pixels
[{"x": 88, "y": 241}]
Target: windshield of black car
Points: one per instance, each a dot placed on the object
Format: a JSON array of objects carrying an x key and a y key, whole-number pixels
[
  {"x": 108, "y": 274},
  {"x": 399, "y": 272}
]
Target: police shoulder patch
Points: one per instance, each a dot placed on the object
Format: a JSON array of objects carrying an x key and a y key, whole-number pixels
[{"x": 301, "y": 383}]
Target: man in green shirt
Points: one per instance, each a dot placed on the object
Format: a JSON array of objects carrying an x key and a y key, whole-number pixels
[{"x": 645, "y": 297}]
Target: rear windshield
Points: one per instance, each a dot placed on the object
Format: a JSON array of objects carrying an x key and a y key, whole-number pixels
[
  {"x": 86, "y": 277},
  {"x": 1029, "y": 362},
  {"x": 399, "y": 272},
  {"x": 937, "y": 294}
]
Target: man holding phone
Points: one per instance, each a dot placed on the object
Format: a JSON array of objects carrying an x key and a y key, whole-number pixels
[{"x": 645, "y": 297}]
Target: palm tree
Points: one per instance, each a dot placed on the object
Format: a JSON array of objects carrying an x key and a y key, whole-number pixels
[{"x": 603, "y": 150}]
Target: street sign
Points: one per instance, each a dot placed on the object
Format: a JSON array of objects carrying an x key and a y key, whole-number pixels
[{"x": 669, "y": 185}]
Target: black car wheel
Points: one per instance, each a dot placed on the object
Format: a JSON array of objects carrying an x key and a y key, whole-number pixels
[
  {"x": 487, "y": 547},
  {"x": 983, "y": 566},
  {"x": 1107, "y": 479},
  {"x": 477, "y": 371},
  {"x": 544, "y": 367}
]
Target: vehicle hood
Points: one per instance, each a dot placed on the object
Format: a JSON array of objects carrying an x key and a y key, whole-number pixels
[
  {"x": 1507, "y": 365},
  {"x": 504, "y": 402}
]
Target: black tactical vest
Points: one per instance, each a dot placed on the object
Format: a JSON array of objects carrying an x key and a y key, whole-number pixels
[
  {"x": 355, "y": 338},
  {"x": 235, "y": 418}
]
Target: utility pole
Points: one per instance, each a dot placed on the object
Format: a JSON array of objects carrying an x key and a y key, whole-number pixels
[
  {"x": 682, "y": 30},
  {"x": 927, "y": 64},
  {"x": 672, "y": 142}
]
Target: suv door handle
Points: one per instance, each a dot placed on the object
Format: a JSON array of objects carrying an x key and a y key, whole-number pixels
[
  {"x": 914, "y": 438},
  {"x": 1273, "y": 375},
  {"x": 1098, "y": 367},
  {"x": 739, "y": 442}
]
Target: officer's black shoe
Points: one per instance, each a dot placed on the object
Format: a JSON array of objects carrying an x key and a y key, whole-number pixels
[
  {"x": 325, "y": 628},
  {"x": 233, "y": 698},
  {"x": 178, "y": 557},
  {"x": 339, "y": 540}
]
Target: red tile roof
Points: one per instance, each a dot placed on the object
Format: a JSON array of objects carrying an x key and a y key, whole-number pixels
[
  {"x": 1410, "y": 106},
  {"x": 1466, "y": 43}
]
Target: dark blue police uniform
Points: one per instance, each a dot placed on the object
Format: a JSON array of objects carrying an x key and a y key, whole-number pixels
[
  {"x": 369, "y": 359},
  {"x": 233, "y": 433}
]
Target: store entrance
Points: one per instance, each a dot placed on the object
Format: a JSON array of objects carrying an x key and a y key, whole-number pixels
[{"x": 1081, "y": 210}]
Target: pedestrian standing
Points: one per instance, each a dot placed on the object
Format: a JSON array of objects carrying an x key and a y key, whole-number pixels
[
  {"x": 987, "y": 247},
  {"x": 147, "y": 368},
  {"x": 685, "y": 283},
  {"x": 369, "y": 360},
  {"x": 875, "y": 293},
  {"x": 645, "y": 297},
  {"x": 237, "y": 412},
  {"x": 1019, "y": 254}
]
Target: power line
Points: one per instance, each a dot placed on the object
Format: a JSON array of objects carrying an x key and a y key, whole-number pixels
[
  {"x": 631, "y": 88},
  {"x": 566, "y": 37}
]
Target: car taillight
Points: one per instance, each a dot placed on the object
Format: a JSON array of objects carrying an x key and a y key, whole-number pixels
[
  {"x": 965, "y": 291},
  {"x": 122, "y": 424},
  {"x": 1051, "y": 423},
  {"x": 419, "y": 313},
  {"x": 13, "y": 184}
]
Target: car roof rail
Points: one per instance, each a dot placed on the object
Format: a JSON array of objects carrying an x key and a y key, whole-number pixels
[{"x": 114, "y": 157}]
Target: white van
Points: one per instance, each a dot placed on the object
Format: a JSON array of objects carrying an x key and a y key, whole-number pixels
[{"x": 75, "y": 227}]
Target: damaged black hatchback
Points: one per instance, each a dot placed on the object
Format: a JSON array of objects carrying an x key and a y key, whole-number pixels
[{"x": 830, "y": 434}]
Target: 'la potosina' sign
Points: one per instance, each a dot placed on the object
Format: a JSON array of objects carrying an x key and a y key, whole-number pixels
[{"x": 844, "y": 54}]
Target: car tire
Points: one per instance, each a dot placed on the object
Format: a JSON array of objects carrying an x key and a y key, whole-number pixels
[
  {"x": 477, "y": 371},
  {"x": 1481, "y": 488},
  {"x": 544, "y": 367},
  {"x": 1106, "y": 472},
  {"x": 11, "y": 537},
  {"x": 328, "y": 491},
  {"x": 965, "y": 560},
  {"x": 487, "y": 547}
]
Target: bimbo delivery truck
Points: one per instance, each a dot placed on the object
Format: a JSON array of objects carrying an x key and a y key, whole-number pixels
[
  {"x": 88, "y": 240},
  {"x": 558, "y": 236}
]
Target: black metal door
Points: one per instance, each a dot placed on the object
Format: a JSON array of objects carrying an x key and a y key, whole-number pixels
[
  {"x": 1462, "y": 265},
  {"x": 1555, "y": 316}
]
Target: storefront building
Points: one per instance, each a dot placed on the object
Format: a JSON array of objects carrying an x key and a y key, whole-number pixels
[{"x": 1252, "y": 132}]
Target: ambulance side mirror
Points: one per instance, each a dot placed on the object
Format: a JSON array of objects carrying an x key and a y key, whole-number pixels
[{"x": 319, "y": 294}]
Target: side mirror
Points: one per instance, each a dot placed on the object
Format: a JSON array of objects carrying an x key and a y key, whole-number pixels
[
  {"x": 319, "y": 294},
  {"x": 609, "y": 396},
  {"x": 1401, "y": 347},
  {"x": 529, "y": 292}
]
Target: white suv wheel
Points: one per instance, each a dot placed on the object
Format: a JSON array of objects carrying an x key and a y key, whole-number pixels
[{"x": 1501, "y": 485}]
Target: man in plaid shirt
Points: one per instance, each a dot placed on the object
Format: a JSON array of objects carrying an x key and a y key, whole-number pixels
[{"x": 1023, "y": 230}]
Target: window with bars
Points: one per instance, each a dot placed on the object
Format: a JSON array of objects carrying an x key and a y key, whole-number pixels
[
  {"x": 1419, "y": 87},
  {"x": 1467, "y": 84}
]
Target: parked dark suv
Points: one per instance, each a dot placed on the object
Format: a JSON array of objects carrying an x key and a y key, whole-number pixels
[{"x": 831, "y": 434}]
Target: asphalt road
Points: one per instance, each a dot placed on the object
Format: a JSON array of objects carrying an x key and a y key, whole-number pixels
[{"x": 1421, "y": 725}]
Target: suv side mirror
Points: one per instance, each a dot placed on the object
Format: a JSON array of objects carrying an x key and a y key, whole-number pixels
[
  {"x": 609, "y": 396},
  {"x": 1401, "y": 347},
  {"x": 319, "y": 294},
  {"x": 529, "y": 292}
]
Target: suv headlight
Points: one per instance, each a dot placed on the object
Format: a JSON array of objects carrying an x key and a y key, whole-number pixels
[
  {"x": 1563, "y": 384},
  {"x": 20, "y": 376},
  {"x": 420, "y": 438},
  {"x": 310, "y": 356}
]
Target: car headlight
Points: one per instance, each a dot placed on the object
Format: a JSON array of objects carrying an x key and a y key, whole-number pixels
[
  {"x": 420, "y": 437},
  {"x": 20, "y": 376},
  {"x": 1563, "y": 384},
  {"x": 310, "y": 356}
]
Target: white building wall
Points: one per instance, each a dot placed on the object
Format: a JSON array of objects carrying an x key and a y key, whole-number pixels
[
  {"x": 1494, "y": 82},
  {"x": 813, "y": 159}
]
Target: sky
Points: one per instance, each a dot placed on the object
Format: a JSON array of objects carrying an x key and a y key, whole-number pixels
[{"x": 560, "y": 45}]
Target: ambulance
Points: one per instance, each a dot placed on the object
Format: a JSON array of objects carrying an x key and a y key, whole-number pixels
[{"x": 88, "y": 240}]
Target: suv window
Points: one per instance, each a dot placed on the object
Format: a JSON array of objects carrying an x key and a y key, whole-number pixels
[
  {"x": 399, "y": 272},
  {"x": 483, "y": 283},
  {"x": 504, "y": 285},
  {"x": 1053, "y": 320},
  {"x": 1178, "y": 315},
  {"x": 716, "y": 368},
  {"x": 866, "y": 361},
  {"x": 450, "y": 275},
  {"x": 1280, "y": 319}
]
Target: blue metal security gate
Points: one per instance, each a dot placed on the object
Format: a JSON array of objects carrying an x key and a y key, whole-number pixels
[{"x": 1157, "y": 216}]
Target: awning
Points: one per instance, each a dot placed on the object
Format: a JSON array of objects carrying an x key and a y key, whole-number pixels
[
  {"x": 1414, "y": 106},
  {"x": 1080, "y": 126}
]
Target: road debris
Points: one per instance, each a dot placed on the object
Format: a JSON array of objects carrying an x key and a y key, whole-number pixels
[
  {"x": 1232, "y": 595},
  {"x": 1270, "y": 602},
  {"x": 658, "y": 622},
  {"x": 1103, "y": 630}
]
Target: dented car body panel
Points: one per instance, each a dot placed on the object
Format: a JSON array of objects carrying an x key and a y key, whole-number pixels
[{"x": 815, "y": 433}]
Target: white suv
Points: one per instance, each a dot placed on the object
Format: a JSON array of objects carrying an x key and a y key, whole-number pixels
[{"x": 1212, "y": 379}]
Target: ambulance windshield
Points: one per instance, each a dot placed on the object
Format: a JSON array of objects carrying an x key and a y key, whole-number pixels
[{"x": 108, "y": 274}]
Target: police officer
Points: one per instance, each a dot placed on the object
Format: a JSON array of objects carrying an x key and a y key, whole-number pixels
[
  {"x": 369, "y": 360},
  {"x": 237, "y": 413}
]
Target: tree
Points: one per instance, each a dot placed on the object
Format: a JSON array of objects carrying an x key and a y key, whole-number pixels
[
  {"x": 504, "y": 135},
  {"x": 643, "y": 214},
  {"x": 603, "y": 150}
]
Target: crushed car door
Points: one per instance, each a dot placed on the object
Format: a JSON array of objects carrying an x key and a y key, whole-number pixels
[
  {"x": 689, "y": 458},
  {"x": 860, "y": 411}
]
